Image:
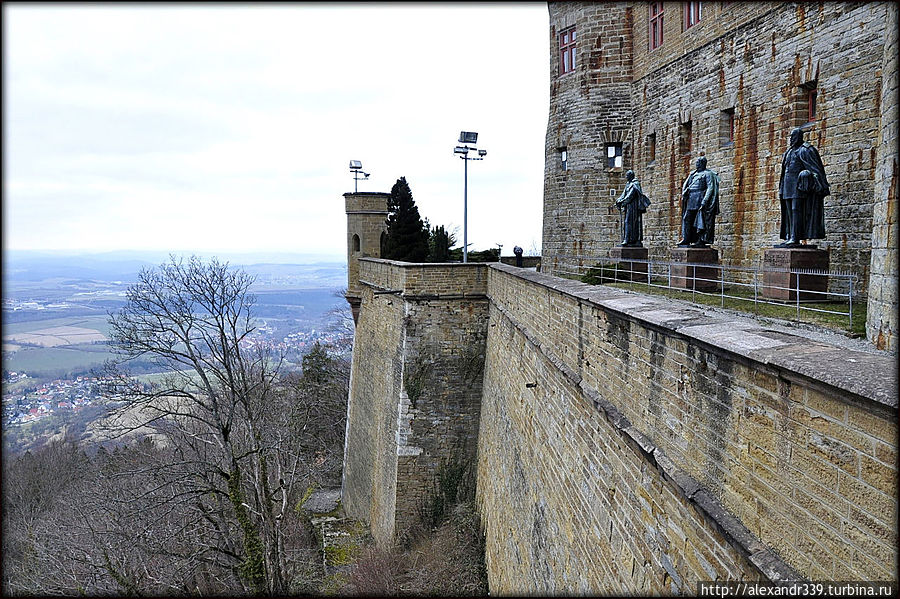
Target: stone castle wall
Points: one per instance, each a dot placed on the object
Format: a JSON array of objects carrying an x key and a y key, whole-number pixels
[
  {"x": 622, "y": 441},
  {"x": 370, "y": 455},
  {"x": 881, "y": 324},
  {"x": 629, "y": 442},
  {"x": 415, "y": 389},
  {"x": 589, "y": 108},
  {"x": 756, "y": 59}
]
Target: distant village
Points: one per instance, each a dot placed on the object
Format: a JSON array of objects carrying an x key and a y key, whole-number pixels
[
  {"x": 46, "y": 398},
  {"x": 42, "y": 399}
]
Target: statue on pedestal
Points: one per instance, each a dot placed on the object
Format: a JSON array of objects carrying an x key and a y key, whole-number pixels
[
  {"x": 700, "y": 196},
  {"x": 802, "y": 189},
  {"x": 632, "y": 203}
]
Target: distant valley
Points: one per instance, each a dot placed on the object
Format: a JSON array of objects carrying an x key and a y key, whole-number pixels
[{"x": 55, "y": 327}]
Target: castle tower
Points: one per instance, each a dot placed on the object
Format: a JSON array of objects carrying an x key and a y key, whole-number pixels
[
  {"x": 589, "y": 143},
  {"x": 366, "y": 224}
]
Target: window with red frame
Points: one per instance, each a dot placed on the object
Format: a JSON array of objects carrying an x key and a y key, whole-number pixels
[
  {"x": 567, "y": 51},
  {"x": 811, "y": 104},
  {"x": 693, "y": 12},
  {"x": 656, "y": 25}
]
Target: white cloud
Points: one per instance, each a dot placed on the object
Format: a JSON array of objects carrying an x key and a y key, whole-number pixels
[{"x": 229, "y": 127}]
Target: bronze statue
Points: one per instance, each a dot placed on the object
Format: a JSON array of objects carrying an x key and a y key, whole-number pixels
[
  {"x": 700, "y": 196},
  {"x": 802, "y": 189},
  {"x": 632, "y": 203}
]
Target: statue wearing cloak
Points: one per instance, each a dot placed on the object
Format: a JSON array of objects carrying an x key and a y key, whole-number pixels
[
  {"x": 802, "y": 189},
  {"x": 632, "y": 203}
]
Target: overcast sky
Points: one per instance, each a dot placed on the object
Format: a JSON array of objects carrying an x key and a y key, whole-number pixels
[{"x": 229, "y": 127}]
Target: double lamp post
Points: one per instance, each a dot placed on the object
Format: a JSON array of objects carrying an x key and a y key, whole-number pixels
[{"x": 466, "y": 138}]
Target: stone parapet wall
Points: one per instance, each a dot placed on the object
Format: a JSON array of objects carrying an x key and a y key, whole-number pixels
[
  {"x": 647, "y": 445},
  {"x": 433, "y": 279},
  {"x": 572, "y": 501}
]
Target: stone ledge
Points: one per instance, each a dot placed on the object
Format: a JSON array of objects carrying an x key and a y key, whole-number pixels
[
  {"x": 401, "y": 264},
  {"x": 859, "y": 375}
]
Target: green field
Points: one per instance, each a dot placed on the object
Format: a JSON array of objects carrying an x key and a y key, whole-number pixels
[
  {"x": 98, "y": 323},
  {"x": 56, "y": 361},
  {"x": 42, "y": 361}
]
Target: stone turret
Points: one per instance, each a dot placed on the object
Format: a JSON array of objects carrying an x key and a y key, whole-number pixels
[{"x": 366, "y": 224}]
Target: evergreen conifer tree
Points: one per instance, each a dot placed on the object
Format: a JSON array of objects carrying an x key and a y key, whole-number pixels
[
  {"x": 439, "y": 244},
  {"x": 407, "y": 235}
]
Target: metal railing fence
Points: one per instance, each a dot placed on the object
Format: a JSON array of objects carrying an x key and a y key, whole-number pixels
[{"x": 806, "y": 290}]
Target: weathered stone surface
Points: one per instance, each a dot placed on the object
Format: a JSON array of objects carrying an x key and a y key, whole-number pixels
[
  {"x": 780, "y": 283},
  {"x": 755, "y": 61},
  {"x": 882, "y": 316},
  {"x": 322, "y": 502},
  {"x": 415, "y": 394},
  {"x": 626, "y": 441},
  {"x": 688, "y": 274},
  {"x": 730, "y": 414}
]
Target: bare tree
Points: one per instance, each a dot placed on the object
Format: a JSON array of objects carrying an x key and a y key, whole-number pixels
[
  {"x": 203, "y": 499},
  {"x": 234, "y": 467}
]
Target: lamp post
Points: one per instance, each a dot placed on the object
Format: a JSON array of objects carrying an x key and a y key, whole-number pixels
[
  {"x": 356, "y": 169},
  {"x": 465, "y": 138}
]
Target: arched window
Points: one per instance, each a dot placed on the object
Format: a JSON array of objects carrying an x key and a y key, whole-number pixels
[{"x": 355, "y": 243}]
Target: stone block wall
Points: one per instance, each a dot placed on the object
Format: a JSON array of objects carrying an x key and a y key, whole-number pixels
[
  {"x": 881, "y": 325},
  {"x": 570, "y": 502},
  {"x": 755, "y": 59},
  {"x": 622, "y": 441},
  {"x": 366, "y": 223},
  {"x": 629, "y": 442},
  {"x": 370, "y": 448},
  {"x": 415, "y": 390},
  {"x": 589, "y": 108}
]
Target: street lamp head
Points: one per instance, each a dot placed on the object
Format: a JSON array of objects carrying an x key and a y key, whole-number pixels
[
  {"x": 468, "y": 137},
  {"x": 460, "y": 150},
  {"x": 482, "y": 153},
  {"x": 355, "y": 165}
]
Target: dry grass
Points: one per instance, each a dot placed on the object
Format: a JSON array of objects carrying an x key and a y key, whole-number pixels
[{"x": 445, "y": 561}]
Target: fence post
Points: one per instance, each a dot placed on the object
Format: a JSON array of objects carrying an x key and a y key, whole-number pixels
[
  {"x": 850, "y": 298},
  {"x": 722, "y": 288},
  {"x": 756, "y": 291}
]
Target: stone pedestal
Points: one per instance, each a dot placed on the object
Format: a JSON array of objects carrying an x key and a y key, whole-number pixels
[
  {"x": 780, "y": 284},
  {"x": 628, "y": 270},
  {"x": 688, "y": 274}
]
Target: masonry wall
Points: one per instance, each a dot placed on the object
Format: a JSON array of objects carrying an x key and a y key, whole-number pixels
[
  {"x": 623, "y": 441},
  {"x": 752, "y": 58},
  {"x": 366, "y": 224},
  {"x": 628, "y": 442},
  {"x": 589, "y": 108},
  {"x": 415, "y": 393},
  {"x": 370, "y": 451},
  {"x": 881, "y": 325}
]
